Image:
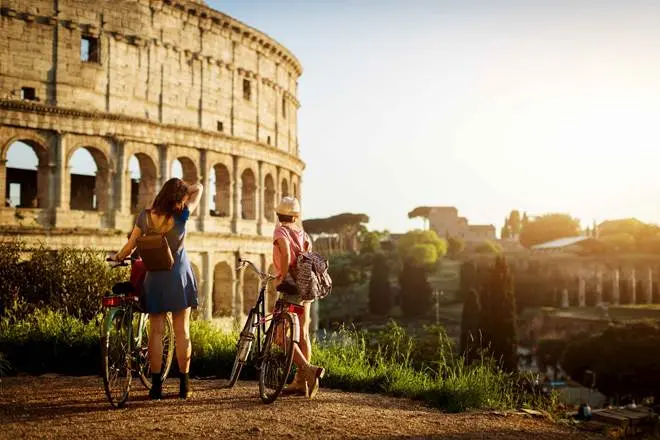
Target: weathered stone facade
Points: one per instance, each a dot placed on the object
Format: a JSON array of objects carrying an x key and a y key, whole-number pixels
[{"x": 161, "y": 81}]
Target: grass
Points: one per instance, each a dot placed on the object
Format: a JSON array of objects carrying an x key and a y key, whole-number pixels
[{"x": 391, "y": 362}]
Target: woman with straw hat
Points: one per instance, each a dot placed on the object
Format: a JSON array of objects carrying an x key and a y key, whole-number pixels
[{"x": 289, "y": 241}]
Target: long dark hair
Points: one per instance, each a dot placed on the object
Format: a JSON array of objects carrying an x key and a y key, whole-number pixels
[{"x": 170, "y": 195}]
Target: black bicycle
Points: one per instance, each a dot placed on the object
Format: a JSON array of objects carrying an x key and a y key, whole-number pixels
[
  {"x": 125, "y": 342},
  {"x": 274, "y": 354}
]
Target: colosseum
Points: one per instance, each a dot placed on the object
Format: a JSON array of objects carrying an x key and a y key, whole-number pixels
[{"x": 147, "y": 90}]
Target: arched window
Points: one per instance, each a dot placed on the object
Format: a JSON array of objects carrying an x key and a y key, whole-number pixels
[
  {"x": 249, "y": 195},
  {"x": 222, "y": 290},
  {"x": 220, "y": 191},
  {"x": 26, "y": 183},
  {"x": 89, "y": 180},
  {"x": 285, "y": 188},
  {"x": 250, "y": 290},
  {"x": 143, "y": 181},
  {"x": 269, "y": 198}
]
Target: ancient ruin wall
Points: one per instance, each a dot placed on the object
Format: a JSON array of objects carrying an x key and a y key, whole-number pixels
[{"x": 159, "y": 81}]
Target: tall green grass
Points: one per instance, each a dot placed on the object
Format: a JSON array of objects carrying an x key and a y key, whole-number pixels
[{"x": 391, "y": 362}]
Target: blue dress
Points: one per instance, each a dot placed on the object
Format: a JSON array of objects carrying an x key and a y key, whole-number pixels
[{"x": 176, "y": 289}]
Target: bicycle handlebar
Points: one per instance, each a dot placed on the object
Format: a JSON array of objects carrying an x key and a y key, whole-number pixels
[
  {"x": 121, "y": 263},
  {"x": 265, "y": 277}
]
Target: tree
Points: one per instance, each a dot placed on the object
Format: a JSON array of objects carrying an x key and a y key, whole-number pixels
[
  {"x": 547, "y": 228},
  {"x": 370, "y": 242},
  {"x": 421, "y": 211},
  {"x": 455, "y": 245},
  {"x": 515, "y": 223},
  {"x": 505, "y": 232},
  {"x": 498, "y": 317},
  {"x": 619, "y": 242},
  {"x": 423, "y": 247},
  {"x": 346, "y": 226},
  {"x": 380, "y": 291},
  {"x": 470, "y": 326},
  {"x": 468, "y": 278},
  {"x": 415, "y": 290}
]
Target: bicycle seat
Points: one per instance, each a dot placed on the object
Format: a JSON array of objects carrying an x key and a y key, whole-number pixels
[{"x": 123, "y": 288}]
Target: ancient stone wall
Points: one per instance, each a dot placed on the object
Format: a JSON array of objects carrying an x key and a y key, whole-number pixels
[{"x": 159, "y": 81}]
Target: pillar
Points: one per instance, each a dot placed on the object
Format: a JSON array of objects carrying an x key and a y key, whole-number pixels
[
  {"x": 599, "y": 287},
  {"x": 565, "y": 303},
  {"x": 237, "y": 186},
  {"x": 582, "y": 284},
  {"x": 648, "y": 289},
  {"x": 615, "y": 287},
  {"x": 205, "y": 179},
  {"x": 260, "y": 198},
  {"x": 165, "y": 165},
  {"x": 3, "y": 182},
  {"x": 633, "y": 286}
]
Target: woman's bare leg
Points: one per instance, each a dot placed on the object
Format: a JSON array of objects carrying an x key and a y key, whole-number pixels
[
  {"x": 156, "y": 330},
  {"x": 181, "y": 321}
]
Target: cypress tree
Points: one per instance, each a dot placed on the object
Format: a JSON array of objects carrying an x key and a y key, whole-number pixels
[
  {"x": 498, "y": 316},
  {"x": 470, "y": 326},
  {"x": 415, "y": 290},
  {"x": 380, "y": 291}
]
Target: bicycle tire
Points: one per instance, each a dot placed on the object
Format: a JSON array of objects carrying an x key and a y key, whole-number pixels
[
  {"x": 243, "y": 348},
  {"x": 116, "y": 358},
  {"x": 144, "y": 365},
  {"x": 275, "y": 360}
]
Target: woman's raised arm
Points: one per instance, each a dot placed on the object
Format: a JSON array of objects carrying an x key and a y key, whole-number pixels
[{"x": 195, "y": 195}]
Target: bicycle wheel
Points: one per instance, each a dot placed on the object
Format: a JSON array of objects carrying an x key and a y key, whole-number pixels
[
  {"x": 243, "y": 348},
  {"x": 144, "y": 365},
  {"x": 116, "y": 356},
  {"x": 276, "y": 357}
]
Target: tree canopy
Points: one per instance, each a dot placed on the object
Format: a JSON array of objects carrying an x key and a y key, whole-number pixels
[
  {"x": 420, "y": 211},
  {"x": 335, "y": 224},
  {"x": 547, "y": 228},
  {"x": 421, "y": 247}
]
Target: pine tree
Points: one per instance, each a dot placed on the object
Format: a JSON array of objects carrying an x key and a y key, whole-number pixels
[
  {"x": 380, "y": 291},
  {"x": 498, "y": 316},
  {"x": 515, "y": 223},
  {"x": 470, "y": 326}
]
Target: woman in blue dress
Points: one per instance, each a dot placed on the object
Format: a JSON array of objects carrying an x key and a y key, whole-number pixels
[{"x": 169, "y": 291}]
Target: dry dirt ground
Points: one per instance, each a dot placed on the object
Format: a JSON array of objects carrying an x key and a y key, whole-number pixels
[{"x": 75, "y": 407}]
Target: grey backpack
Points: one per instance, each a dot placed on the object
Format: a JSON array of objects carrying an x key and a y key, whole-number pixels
[{"x": 312, "y": 277}]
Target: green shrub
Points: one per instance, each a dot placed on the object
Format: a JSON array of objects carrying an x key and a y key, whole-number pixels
[{"x": 67, "y": 280}]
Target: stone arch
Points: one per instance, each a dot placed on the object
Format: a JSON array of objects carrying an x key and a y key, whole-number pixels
[
  {"x": 222, "y": 290},
  {"x": 31, "y": 181},
  {"x": 90, "y": 194},
  {"x": 250, "y": 289},
  {"x": 189, "y": 169},
  {"x": 269, "y": 198},
  {"x": 143, "y": 190},
  {"x": 221, "y": 200},
  {"x": 284, "y": 187},
  {"x": 248, "y": 195}
]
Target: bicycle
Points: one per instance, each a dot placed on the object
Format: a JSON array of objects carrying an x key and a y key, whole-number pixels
[
  {"x": 125, "y": 342},
  {"x": 274, "y": 354}
]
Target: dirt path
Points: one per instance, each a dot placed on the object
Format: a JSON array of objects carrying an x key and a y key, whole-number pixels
[{"x": 75, "y": 407}]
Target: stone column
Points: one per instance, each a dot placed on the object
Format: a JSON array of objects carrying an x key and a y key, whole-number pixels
[
  {"x": 237, "y": 291},
  {"x": 165, "y": 165},
  {"x": 648, "y": 288},
  {"x": 565, "y": 303},
  {"x": 633, "y": 286},
  {"x": 237, "y": 185},
  {"x": 260, "y": 199},
  {"x": 599, "y": 287},
  {"x": 615, "y": 287},
  {"x": 207, "y": 285},
  {"x": 123, "y": 183},
  {"x": 582, "y": 291},
  {"x": 43, "y": 176},
  {"x": 3, "y": 182},
  {"x": 205, "y": 179}
]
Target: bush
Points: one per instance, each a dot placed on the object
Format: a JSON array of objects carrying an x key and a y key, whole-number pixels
[
  {"x": 415, "y": 294},
  {"x": 68, "y": 280},
  {"x": 489, "y": 247},
  {"x": 624, "y": 358}
]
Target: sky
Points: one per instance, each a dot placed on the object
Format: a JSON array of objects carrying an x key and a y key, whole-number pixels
[{"x": 486, "y": 105}]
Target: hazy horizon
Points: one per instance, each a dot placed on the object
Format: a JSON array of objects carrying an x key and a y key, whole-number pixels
[{"x": 484, "y": 105}]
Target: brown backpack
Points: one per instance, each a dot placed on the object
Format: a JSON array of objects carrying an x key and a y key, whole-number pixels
[{"x": 154, "y": 249}]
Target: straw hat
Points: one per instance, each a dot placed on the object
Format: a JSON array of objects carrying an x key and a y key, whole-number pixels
[{"x": 288, "y": 206}]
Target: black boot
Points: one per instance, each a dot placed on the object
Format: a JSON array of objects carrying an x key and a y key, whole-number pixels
[
  {"x": 156, "y": 391},
  {"x": 184, "y": 386}
]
